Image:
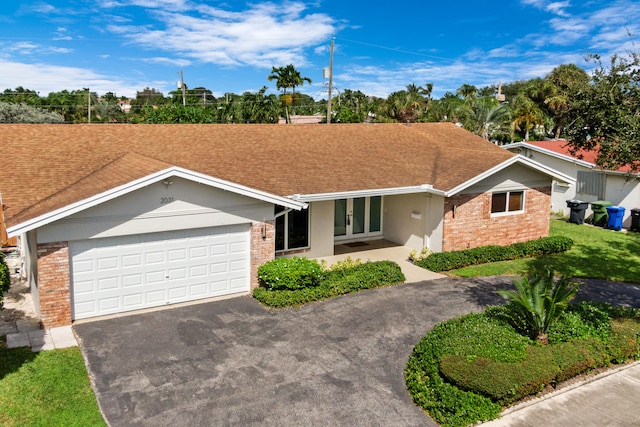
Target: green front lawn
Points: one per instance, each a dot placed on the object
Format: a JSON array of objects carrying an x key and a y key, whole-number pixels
[
  {"x": 596, "y": 254},
  {"x": 50, "y": 388}
]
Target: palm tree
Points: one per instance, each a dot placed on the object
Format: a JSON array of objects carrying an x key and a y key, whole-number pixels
[
  {"x": 526, "y": 112},
  {"x": 467, "y": 91},
  {"x": 287, "y": 77},
  {"x": 490, "y": 117},
  {"x": 426, "y": 92},
  {"x": 539, "y": 300}
]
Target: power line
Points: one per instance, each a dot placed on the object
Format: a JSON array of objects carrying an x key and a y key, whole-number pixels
[{"x": 393, "y": 49}]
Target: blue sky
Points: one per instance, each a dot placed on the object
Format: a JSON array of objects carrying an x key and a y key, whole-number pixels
[{"x": 123, "y": 46}]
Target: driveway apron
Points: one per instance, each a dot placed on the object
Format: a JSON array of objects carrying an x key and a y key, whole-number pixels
[{"x": 233, "y": 362}]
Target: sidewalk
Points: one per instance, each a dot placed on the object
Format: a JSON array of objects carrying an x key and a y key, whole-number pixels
[
  {"x": 43, "y": 339},
  {"x": 609, "y": 399}
]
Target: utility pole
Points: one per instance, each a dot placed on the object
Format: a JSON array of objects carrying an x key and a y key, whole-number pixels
[
  {"x": 330, "y": 80},
  {"x": 89, "y": 105},
  {"x": 184, "y": 90}
]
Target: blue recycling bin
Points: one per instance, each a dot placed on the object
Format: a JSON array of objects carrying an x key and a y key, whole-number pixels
[{"x": 616, "y": 213}]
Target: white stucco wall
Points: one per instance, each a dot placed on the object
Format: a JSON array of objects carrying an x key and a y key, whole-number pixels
[
  {"x": 320, "y": 229},
  {"x": 623, "y": 192},
  {"x": 29, "y": 270},
  {"x": 182, "y": 205},
  {"x": 560, "y": 192},
  {"x": 414, "y": 220}
]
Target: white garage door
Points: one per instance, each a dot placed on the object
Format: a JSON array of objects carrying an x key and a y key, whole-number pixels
[{"x": 117, "y": 274}]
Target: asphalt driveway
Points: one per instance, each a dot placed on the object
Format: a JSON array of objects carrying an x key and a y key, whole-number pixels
[{"x": 232, "y": 362}]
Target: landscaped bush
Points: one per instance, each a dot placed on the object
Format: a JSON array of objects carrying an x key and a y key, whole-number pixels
[
  {"x": 290, "y": 273},
  {"x": 445, "y": 261},
  {"x": 5, "y": 278},
  {"x": 466, "y": 368},
  {"x": 342, "y": 279}
]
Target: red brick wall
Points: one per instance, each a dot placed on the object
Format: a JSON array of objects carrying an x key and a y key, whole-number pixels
[
  {"x": 54, "y": 285},
  {"x": 262, "y": 250},
  {"x": 474, "y": 226}
]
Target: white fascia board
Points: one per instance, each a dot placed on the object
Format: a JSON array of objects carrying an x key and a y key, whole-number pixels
[
  {"x": 143, "y": 182},
  {"x": 513, "y": 160},
  {"x": 550, "y": 153},
  {"x": 320, "y": 197}
]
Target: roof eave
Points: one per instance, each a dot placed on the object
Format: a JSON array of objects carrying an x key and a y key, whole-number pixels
[
  {"x": 321, "y": 197},
  {"x": 551, "y": 153},
  {"x": 137, "y": 184}
]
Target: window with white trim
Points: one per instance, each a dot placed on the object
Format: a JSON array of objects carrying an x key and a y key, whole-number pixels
[
  {"x": 507, "y": 202},
  {"x": 292, "y": 229}
]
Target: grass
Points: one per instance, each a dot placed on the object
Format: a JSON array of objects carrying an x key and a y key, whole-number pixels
[
  {"x": 50, "y": 388},
  {"x": 597, "y": 254}
]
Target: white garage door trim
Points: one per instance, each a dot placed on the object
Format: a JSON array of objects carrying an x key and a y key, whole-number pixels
[{"x": 118, "y": 274}]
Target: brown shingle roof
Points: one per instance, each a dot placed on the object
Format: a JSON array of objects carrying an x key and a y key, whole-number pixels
[{"x": 56, "y": 165}]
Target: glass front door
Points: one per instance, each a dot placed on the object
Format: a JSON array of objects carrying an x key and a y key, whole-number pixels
[{"x": 357, "y": 217}]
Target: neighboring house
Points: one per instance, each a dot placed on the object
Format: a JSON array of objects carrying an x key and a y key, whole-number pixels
[
  {"x": 115, "y": 218},
  {"x": 588, "y": 183},
  {"x": 302, "y": 120}
]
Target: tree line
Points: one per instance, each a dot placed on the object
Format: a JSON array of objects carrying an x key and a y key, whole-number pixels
[{"x": 598, "y": 110}]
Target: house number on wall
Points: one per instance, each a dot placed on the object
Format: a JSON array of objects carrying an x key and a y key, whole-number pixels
[{"x": 165, "y": 200}]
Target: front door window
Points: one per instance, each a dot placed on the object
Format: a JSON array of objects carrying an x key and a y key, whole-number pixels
[{"x": 358, "y": 217}]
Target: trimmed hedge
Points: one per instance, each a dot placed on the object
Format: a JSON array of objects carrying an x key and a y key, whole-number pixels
[
  {"x": 340, "y": 281},
  {"x": 466, "y": 368},
  {"x": 445, "y": 261},
  {"x": 5, "y": 278}
]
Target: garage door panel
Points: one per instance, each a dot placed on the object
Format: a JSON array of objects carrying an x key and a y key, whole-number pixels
[
  {"x": 132, "y": 260},
  {"x": 156, "y": 257},
  {"x": 130, "y": 280},
  {"x": 108, "y": 304},
  {"x": 108, "y": 284},
  {"x": 133, "y": 301},
  {"x": 116, "y": 274}
]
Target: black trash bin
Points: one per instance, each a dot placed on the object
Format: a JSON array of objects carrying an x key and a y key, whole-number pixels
[
  {"x": 635, "y": 219},
  {"x": 578, "y": 208}
]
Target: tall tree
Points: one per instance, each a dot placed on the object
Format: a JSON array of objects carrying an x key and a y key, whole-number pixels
[
  {"x": 567, "y": 80},
  {"x": 526, "y": 115},
  {"x": 287, "y": 77},
  {"x": 605, "y": 117}
]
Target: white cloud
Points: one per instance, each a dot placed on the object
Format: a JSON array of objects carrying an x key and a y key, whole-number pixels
[
  {"x": 263, "y": 35},
  {"x": 168, "y": 61},
  {"x": 46, "y": 78}
]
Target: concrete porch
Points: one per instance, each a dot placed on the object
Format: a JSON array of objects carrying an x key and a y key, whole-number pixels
[{"x": 381, "y": 250}]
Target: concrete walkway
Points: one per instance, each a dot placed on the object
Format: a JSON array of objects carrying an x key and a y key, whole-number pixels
[
  {"x": 609, "y": 399},
  {"x": 382, "y": 250},
  {"x": 43, "y": 339},
  {"x": 20, "y": 325}
]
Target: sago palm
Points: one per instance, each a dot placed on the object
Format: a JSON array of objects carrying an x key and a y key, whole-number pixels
[{"x": 541, "y": 300}]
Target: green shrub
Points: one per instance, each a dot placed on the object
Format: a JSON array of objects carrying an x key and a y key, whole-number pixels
[
  {"x": 5, "y": 278},
  {"x": 506, "y": 382},
  {"x": 290, "y": 273},
  {"x": 463, "y": 370},
  {"x": 445, "y": 261},
  {"x": 446, "y": 403},
  {"x": 345, "y": 278}
]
